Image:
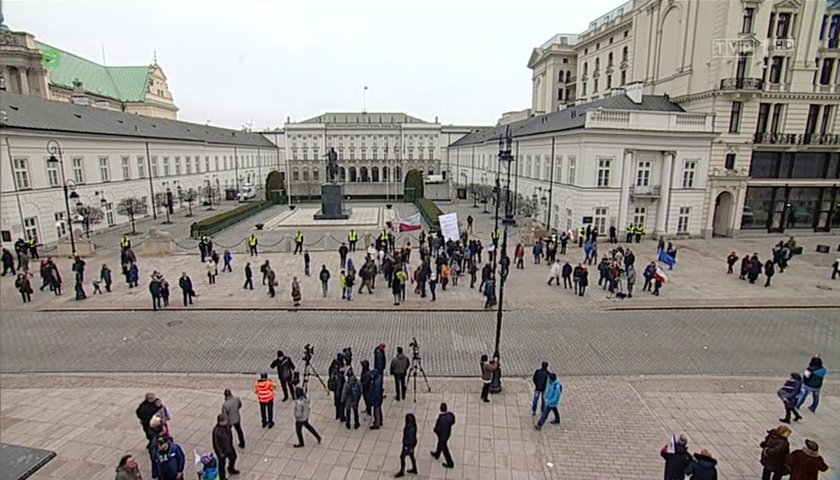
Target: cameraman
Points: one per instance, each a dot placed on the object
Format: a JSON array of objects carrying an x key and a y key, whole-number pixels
[
  {"x": 399, "y": 368},
  {"x": 285, "y": 372}
]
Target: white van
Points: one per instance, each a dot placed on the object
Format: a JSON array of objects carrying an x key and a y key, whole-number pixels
[{"x": 247, "y": 192}]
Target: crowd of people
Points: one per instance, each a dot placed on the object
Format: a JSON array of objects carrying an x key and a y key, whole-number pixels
[
  {"x": 752, "y": 267},
  {"x": 168, "y": 460}
]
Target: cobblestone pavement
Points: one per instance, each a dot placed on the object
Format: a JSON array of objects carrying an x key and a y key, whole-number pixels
[
  {"x": 596, "y": 343},
  {"x": 612, "y": 427}
]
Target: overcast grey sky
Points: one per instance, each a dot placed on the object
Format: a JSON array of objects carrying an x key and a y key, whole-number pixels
[{"x": 239, "y": 61}]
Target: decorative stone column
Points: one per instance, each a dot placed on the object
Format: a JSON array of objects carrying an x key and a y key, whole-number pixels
[
  {"x": 624, "y": 200},
  {"x": 665, "y": 193}
]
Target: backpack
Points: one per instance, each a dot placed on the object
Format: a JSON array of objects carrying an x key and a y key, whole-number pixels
[
  {"x": 332, "y": 383},
  {"x": 355, "y": 391}
]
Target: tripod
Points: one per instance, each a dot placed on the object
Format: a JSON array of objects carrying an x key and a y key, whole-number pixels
[
  {"x": 308, "y": 370},
  {"x": 417, "y": 365}
]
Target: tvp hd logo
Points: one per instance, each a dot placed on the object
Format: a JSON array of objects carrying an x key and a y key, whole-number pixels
[
  {"x": 51, "y": 57},
  {"x": 742, "y": 47}
]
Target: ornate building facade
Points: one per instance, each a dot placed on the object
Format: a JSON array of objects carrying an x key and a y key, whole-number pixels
[{"x": 30, "y": 67}]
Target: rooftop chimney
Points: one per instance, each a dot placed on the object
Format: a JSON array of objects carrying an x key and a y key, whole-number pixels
[{"x": 634, "y": 92}]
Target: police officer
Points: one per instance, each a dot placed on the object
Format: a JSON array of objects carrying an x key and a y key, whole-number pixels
[
  {"x": 32, "y": 243},
  {"x": 383, "y": 239},
  {"x": 352, "y": 238},
  {"x": 252, "y": 245},
  {"x": 581, "y": 236},
  {"x": 640, "y": 231},
  {"x": 631, "y": 230},
  {"x": 298, "y": 243},
  {"x": 125, "y": 243},
  {"x": 494, "y": 237}
]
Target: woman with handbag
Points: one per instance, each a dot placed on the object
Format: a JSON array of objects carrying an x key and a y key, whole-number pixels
[
  {"x": 409, "y": 442},
  {"x": 789, "y": 394},
  {"x": 774, "y": 451}
]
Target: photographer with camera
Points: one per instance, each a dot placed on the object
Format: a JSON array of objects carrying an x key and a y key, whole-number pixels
[
  {"x": 285, "y": 372},
  {"x": 399, "y": 369}
]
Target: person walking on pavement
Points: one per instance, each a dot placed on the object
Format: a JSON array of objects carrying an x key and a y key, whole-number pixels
[
  {"x": 231, "y": 409},
  {"x": 249, "y": 277},
  {"x": 443, "y": 430},
  {"x": 212, "y": 271},
  {"x": 186, "y": 286},
  {"x": 375, "y": 395},
  {"x": 154, "y": 290},
  {"x": 128, "y": 469},
  {"x": 264, "y": 270},
  {"x": 307, "y": 260},
  {"x": 350, "y": 396},
  {"x": 285, "y": 372},
  {"x": 252, "y": 245},
  {"x": 302, "y": 418},
  {"x": 409, "y": 443},
  {"x": 553, "y": 393},
  {"x": 24, "y": 286},
  {"x": 769, "y": 271},
  {"x": 342, "y": 254},
  {"x": 105, "y": 277},
  {"x": 272, "y": 281},
  {"x": 144, "y": 412},
  {"x": 169, "y": 460},
  {"x": 296, "y": 295},
  {"x": 223, "y": 447},
  {"x": 488, "y": 367},
  {"x": 704, "y": 467},
  {"x": 731, "y": 260},
  {"x": 227, "y": 257},
  {"x": 399, "y": 369},
  {"x": 324, "y": 276},
  {"x": 676, "y": 457},
  {"x": 789, "y": 394},
  {"x": 774, "y": 451},
  {"x": 264, "y": 388},
  {"x": 812, "y": 382},
  {"x": 298, "y": 243},
  {"x": 540, "y": 380},
  {"x": 806, "y": 463}
]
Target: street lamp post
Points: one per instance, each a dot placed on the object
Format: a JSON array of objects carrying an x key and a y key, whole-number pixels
[
  {"x": 209, "y": 192},
  {"x": 53, "y": 148},
  {"x": 506, "y": 157}
]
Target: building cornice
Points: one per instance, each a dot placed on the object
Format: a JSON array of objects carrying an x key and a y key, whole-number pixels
[{"x": 758, "y": 95}]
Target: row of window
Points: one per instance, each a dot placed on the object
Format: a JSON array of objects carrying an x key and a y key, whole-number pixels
[
  {"x": 598, "y": 45},
  {"x": 165, "y": 168},
  {"x": 600, "y": 218},
  {"x": 818, "y": 115},
  {"x": 609, "y": 85},
  {"x": 363, "y": 139},
  {"x": 781, "y": 24},
  {"x": 375, "y": 153},
  {"x": 363, "y": 174},
  {"x": 540, "y": 169},
  {"x": 625, "y": 55}
]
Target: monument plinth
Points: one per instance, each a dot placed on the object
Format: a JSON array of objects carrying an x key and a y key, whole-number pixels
[{"x": 332, "y": 203}]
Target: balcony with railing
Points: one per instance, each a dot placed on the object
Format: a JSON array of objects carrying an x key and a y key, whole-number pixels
[
  {"x": 649, "y": 120},
  {"x": 828, "y": 139},
  {"x": 741, "y": 83},
  {"x": 644, "y": 191}
]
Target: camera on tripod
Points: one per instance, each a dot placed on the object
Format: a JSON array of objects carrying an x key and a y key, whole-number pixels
[
  {"x": 415, "y": 347},
  {"x": 308, "y": 351}
]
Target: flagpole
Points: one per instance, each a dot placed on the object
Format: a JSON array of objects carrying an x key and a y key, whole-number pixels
[{"x": 364, "y": 99}]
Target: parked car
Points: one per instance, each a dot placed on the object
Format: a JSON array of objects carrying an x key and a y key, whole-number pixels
[{"x": 247, "y": 192}]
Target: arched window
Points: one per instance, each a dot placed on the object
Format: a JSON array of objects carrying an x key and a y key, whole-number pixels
[
  {"x": 431, "y": 170},
  {"x": 374, "y": 174},
  {"x": 398, "y": 178},
  {"x": 305, "y": 174},
  {"x": 610, "y": 59},
  {"x": 385, "y": 177},
  {"x": 624, "y": 54},
  {"x": 353, "y": 174},
  {"x": 363, "y": 174},
  {"x": 342, "y": 174}
]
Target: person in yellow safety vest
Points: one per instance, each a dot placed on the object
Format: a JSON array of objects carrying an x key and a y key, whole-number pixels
[
  {"x": 640, "y": 232},
  {"x": 631, "y": 230},
  {"x": 125, "y": 243},
  {"x": 383, "y": 240},
  {"x": 32, "y": 244},
  {"x": 581, "y": 236},
  {"x": 494, "y": 237},
  {"x": 352, "y": 238},
  {"x": 264, "y": 388},
  {"x": 298, "y": 243},
  {"x": 252, "y": 245}
]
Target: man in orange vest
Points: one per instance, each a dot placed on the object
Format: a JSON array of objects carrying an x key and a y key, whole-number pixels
[{"x": 264, "y": 388}]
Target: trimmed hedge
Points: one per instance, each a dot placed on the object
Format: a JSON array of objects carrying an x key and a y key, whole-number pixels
[
  {"x": 217, "y": 223},
  {"x": 429, "y": 211}
]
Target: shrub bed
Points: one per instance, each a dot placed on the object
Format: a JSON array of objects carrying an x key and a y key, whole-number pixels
[
  {"x": 429, "y": 211},
  {"x": 217, "y": 223}
]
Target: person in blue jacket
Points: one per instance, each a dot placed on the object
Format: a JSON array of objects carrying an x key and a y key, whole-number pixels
[
  {"x": 812, "y": 382},
  {"x": 552, "y": 395},
  {"x": 168, "y": 460}
]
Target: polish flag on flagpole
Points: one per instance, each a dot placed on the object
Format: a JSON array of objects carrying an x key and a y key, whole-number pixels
[{"x": 571, "y": 235}]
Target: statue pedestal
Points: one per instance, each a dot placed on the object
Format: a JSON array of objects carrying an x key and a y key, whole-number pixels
[
  {"x": 84, "y": 246},
  {"x": 158, "y": 243},
  {"x": 332, "y": 203}
]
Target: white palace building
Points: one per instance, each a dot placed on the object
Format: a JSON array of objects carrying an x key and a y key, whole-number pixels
[{"x": 627, "y": 158}]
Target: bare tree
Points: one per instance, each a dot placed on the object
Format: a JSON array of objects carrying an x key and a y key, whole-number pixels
[{"x": 131, "y": 207}]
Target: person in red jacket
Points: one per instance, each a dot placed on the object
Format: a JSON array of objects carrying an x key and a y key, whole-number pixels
[{"x": 806, "y": 463}]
